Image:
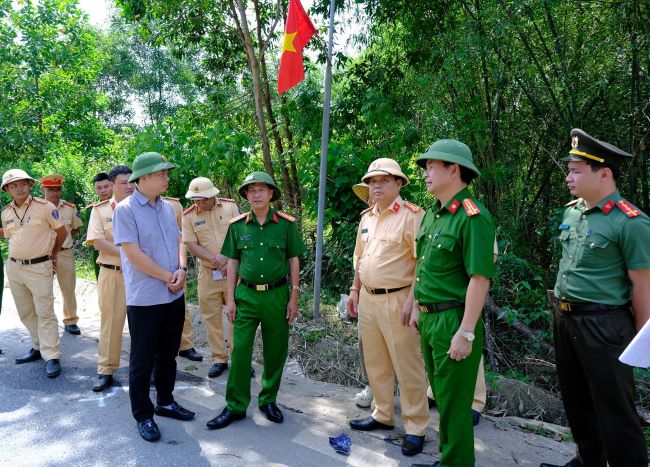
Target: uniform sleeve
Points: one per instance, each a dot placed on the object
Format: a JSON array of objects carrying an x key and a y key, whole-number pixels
[
  {"x": 178, "y": 211},
  {"x": 229, "y": 248},
  {"x": 52, "y": 216},
  {"x": 358, "y": 244},
  {"x": 76, "y": 219},
  {"x": 125, "y": 229},
  {"x": 295, "y": 245},
  {"x": 412, "y": 231},
  {"x": 478, "y": 236},
  {"x": 95, "y": 228},
  {"x": 188, "y": 229},
  {"x": 634, "y": 243},
  {"x": 235, "y": 210}
]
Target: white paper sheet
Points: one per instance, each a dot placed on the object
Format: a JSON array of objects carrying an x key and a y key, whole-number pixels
[
  {"x": 638, "y": 352},
  {"x": 216, "y": 275}
]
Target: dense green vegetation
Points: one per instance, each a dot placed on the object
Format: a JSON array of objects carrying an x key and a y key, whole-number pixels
[{"x": 510, "y": 79}]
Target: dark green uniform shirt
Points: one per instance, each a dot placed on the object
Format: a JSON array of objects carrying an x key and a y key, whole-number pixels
[
  {"x": 451, "y": 247},
  {"x": 263, "y": 251},
  {"x": 599, "y": 246}
]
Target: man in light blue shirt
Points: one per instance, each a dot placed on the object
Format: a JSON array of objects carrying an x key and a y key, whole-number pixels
[{"x": 154, "y": 268}]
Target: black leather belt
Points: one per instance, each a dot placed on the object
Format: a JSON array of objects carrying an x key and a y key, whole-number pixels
[
  {"x": 110, "y": 266},
  {"x": 264, "y": 287},
  {"x": 372, "y": 291},
  {"x": 42, "y": 259},
  {"x": 566, "y": 307},
  {"x": 438, "y": 307}
]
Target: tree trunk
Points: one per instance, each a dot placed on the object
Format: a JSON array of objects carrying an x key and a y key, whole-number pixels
[{"x": 297, "y": 193}]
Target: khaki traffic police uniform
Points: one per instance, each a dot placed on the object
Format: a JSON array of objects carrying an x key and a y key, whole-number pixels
[
  {"x": 110, "y": 289},
  {"x": 30, "y": 232},
  {"x": 385, "y": 246},
  {"x": 209, "y": 230},
  {"x": 65, "y": 267}
]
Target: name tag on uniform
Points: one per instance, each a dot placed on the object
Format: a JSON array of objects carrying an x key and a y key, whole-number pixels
[
  {"x": 364, "y": 234},
  {"x": 9, "y": 221},
  {"x": 199, "y": 223},
  {"x": 245, "y": 237}
]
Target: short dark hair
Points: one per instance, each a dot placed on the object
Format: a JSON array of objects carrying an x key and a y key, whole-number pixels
[
  {"x": 100, "y": 177},
  {"x": 119, "y": 170},
  {"x": 466, "y": 175},
  {"x": 596, "y": 166}
]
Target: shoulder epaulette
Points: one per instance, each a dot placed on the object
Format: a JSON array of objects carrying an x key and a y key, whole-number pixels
[
  {"x": 470, "y": 207},
  {"x": 571, "y": 203},
  {"x": 227, "y": 199},
  {"x": 5, "y": 207},
  {"x": 68, "y": 203},
  {"x": 171, "y": 199},
  {"x": 412, "y": 207},
  {"x": 366, "y": 210},
  {"x": 98, "y": 203},
  {"x": 188, "y": 210},
  {"x": 286, "y": 216},
  {"x": 629, "y": 209},
  {"x": 238, "y": 218},
  {"x": 40, "y": 200}
]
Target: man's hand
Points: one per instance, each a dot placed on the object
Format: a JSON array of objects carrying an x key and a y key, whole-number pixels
[
  {"x": 413, "y": 320},
  {"x": 460, "y": 348},
  {"x": 230, "y": 310},
  {"x": 292, "y": 308},
  {"x": 177, "y": 281},
  {"x": 54, "y": 258},
  {"x": 353, "y": 303},
  {"x": 407, "y": 309}
]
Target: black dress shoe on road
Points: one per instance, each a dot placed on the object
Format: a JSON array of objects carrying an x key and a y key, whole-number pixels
[
  {"x": 102, "y": 382},
  {"x": 225, "y": 418},
  {"x": 431, "y": 402},
  {"x": 412, "y": 445},
  {"x": 176, "y": 411},
  {"x": 272, "y": 412},
  {"x": 476, "y": 417},
  {"x": 149, "y": 430},
  {"x": 435, "y": 464},
  {"x": 53, "y": 368},
  {"x": 217, "y": 369},
  {"x": 191, "y": 354},
  {"x": 30, "y": 356},
  {"x": 369, "y": 424},
  {"x": 72, "y": 329},
  {"x": 252, "y": 372}
]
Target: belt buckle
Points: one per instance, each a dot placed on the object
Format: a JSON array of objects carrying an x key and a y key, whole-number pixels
[
  {"x": 423, "y": 309},
  {"x": 564, "y": 306},
  {"x": 262, "y": 287},
  {"x": 370, "y": 290}
]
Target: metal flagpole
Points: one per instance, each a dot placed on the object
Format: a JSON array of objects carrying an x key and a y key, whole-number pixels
[{"x": 323, "y": 165}]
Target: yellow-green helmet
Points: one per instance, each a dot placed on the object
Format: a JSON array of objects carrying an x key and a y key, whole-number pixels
[{"x": 259, "y": 177}]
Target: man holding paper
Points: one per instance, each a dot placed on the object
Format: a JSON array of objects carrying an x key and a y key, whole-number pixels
[{"x": 205, "y": 225}]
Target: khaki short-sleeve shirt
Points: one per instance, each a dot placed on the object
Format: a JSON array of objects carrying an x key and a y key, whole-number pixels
[
  {"x": 100, "y": 227},
  {"x": 30, "y": 228},
  {"x": 70, "y": 218}
]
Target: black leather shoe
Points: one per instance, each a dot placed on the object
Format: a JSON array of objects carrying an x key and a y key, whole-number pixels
[
  {"x": 102, "y": 382},
  {"x": 217, "y": 369},
  {"x": 176, "y": 411},
  {"x": 252, "y": 372},
  {"x": 571, "y": 463},
  {"x": 225, "y": 418},
  {"x": 53, "y": 368},
  {"x": 272, "y": 412},
  {"x": 412, "y": 445},
  {"x": 476, "y": 417},
  {"x": 72, "y": 329},
  {"x": 435, "y": 464},
  {"x": 149, "y": 430},
  {"x": 431, "y": 402},
  {"x": 369, "y": 424},
  {"x": 191, "y": 354},
  {"x": 30, "y": 356}
]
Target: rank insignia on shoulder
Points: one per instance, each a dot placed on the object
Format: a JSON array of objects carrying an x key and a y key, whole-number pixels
[
  {"x": 629, "y": 209},
  {"x": 412, "y": 207},
  {"x": 286, "y": 216},
  {"x": 69, "y": 204},
  {"x": 607, "y": 207},
  {"x": 40, "y": 200},
  {"x": 238, "y": 218},
  {"x": 227, "y": 199},
  {"x": 470, "y": 207},
  {"x": 170, "y": 198},
  {"x": 188, "y": 210},
  {"x": 366, "y": 210},
  {"x": 453, "y": 207}
]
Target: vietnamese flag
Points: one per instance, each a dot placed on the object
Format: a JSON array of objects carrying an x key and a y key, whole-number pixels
[{"x": 297, "y": 33}]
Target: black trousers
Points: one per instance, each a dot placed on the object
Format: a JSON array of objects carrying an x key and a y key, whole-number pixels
[
  {"x": 597, "y": 389},
  {"x": 155, "y": 338}
]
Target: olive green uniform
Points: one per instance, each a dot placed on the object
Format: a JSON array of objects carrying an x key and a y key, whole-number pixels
[
  {"x": 599, "y": 246},
  {"x": 454, "y": 242},
  {"x": 263, "y": 252}
]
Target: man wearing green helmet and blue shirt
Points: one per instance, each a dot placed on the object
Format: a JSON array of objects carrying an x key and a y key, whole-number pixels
[
  {"x": 452, "y": 278},
  {"x": 263, "y": 246}
]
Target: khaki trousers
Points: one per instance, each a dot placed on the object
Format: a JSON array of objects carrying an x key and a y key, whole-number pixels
[
  {"x": 212, "y": 294},
  {"x": 112, "y": 306},
  {"x": 31, "y": 287},
  {"x": 391, "y": 349},
  {"x": 65, "y": 275},
  {"x": 480, "y": 392},
  {"x": 186, "y": 337}
]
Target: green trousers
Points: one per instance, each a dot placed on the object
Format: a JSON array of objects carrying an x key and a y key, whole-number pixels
[
  {"x": 452, "y": 383},
  {"x": 268, "y": 309}
]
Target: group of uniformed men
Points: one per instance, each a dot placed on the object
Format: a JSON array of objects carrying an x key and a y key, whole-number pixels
[{"x": 416, "y": 273}]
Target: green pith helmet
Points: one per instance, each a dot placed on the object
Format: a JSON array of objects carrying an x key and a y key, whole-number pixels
[
  {"x": 449, "y": 150},
  {"x": 148, "y": 163},
  {"x": 259, "y": 177}
]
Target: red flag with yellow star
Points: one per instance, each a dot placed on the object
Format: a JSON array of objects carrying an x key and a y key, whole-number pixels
[{"x": 297, "y": 32}]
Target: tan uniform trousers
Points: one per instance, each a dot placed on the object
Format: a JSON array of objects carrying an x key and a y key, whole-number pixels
[
  {"x": 112, "y": 306},
  {"x": 391, "y": 349},
  {"x": 31, "y": 287},
  {"x": 480, "y": 392},
  {"x": 65, "y": 275},
  {"x": 211, "y": 297},
  {"x": 186, "y": 337}
]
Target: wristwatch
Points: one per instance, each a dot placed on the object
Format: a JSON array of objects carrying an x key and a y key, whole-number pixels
[
  {"x": 467, "y": 335},
  {"x": 183, "y": 268}
]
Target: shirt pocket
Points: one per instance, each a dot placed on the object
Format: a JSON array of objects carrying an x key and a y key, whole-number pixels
[
  {"x": 596, "y": 250},
  {"x": 276, "y": 251},
  {"x": 390, "y": 244},
  {"x": 442, "y": 251}
]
